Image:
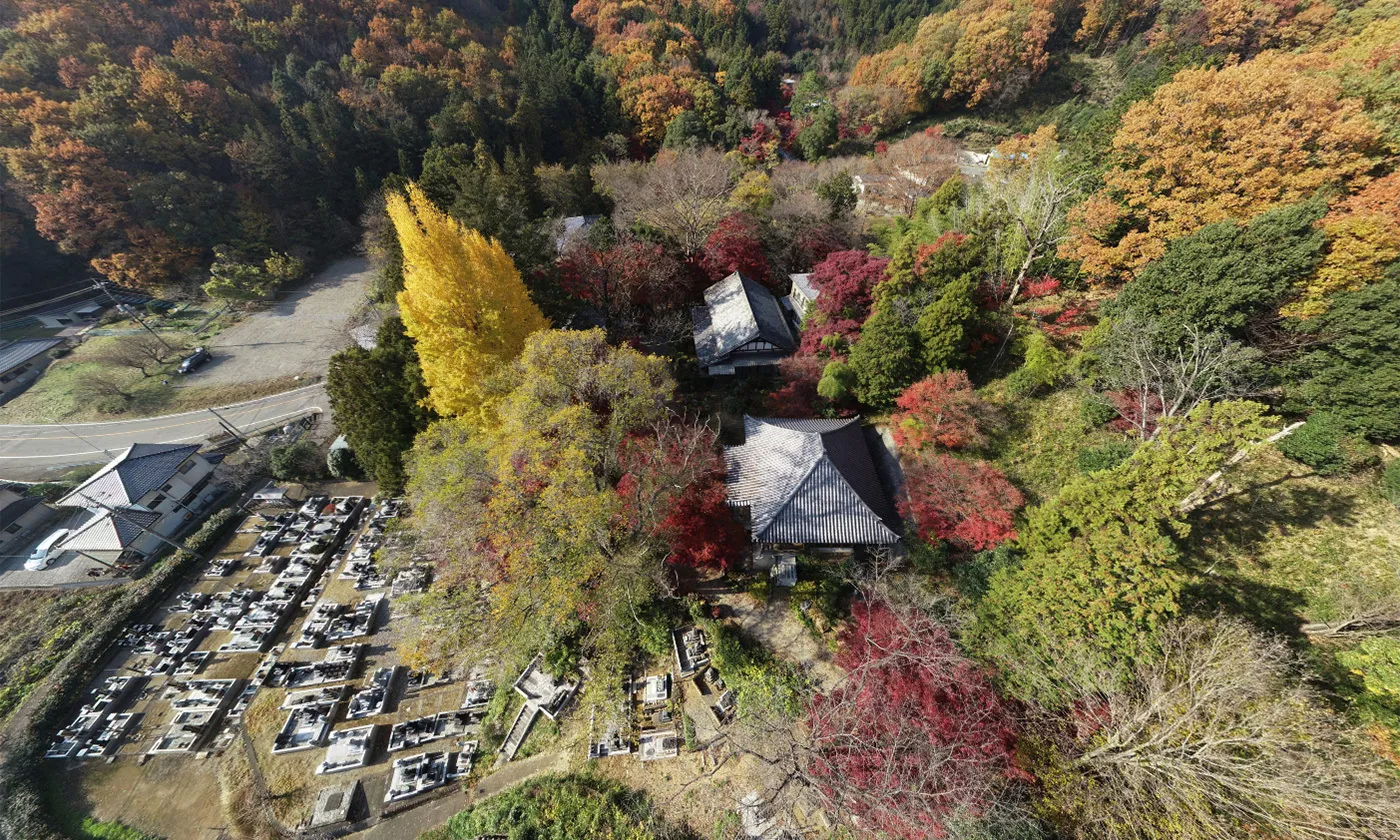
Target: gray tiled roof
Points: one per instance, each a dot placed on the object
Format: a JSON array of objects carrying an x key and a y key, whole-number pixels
[
  {"x": 803, "y": 283},
  {"x": 106, "y": 532},
  {"x": 738, "y": 310},
  {"x": 808, "y": 481},
  {"x": 573, "y": 227},
  {"x": 15, "y": 353},
  {"x": 19, "y": 507},
  {"x": 136, "y": 472}
]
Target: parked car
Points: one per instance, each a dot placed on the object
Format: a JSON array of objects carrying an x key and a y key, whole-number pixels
[
  {"x": 44, "y": 552},
  {"x": 192, "y": 362}
]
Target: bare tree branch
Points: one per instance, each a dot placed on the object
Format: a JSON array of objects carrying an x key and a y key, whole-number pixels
[{"x": 1167, "y": 378}]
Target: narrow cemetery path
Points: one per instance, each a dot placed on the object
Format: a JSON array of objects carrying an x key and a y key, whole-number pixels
[{"x": 409, "y": 824}]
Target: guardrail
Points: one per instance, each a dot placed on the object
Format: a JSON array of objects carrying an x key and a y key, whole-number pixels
[{"x": 305, "y": 421}]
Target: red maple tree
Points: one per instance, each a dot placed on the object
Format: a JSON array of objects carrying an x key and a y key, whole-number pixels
[
  {"x": 941, "y": 410},
  {"x": 814, "y": 335},
  {"x": 627, "y": 284},
  {"x": 914, "y": 734},
  {"x": 735, "y": 246},
  {"x": 672, "y": 490},
  {"x": 797, "y": 396},
  {"x": 846, "y": 280},
  {"x": 970, "y": 504}
]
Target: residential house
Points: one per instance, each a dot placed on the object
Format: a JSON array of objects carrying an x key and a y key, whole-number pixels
[
  {"x": 808, "y": 484},
  {"x": 22, "y": 361},
  {"x": 83, "y": 313},
  {"x": 20, "y": 516},
  {"x": 741, "y": 326},
  {"x": 150, "y": 487},
  {"x": 122, "y": 536}
]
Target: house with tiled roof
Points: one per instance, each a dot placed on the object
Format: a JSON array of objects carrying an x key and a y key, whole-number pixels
[
  {"x": 123, "y": 534},
  {"x": 741, "y": 326},
  {"x": 22, "y": 361},
  {"x": 150, "y": 490},
  {"x": 20, "y": 515},
  {"x": 809, "y": 483}
]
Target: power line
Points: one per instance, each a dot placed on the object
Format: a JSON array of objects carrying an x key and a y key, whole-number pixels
[
  {"x": 95, "y": 447},
  {"x": 100, "y": 286},
  {"x": 42, "y": 303}
]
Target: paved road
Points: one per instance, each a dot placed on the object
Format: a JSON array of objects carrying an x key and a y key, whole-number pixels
[{"x": 32, "y": 453}]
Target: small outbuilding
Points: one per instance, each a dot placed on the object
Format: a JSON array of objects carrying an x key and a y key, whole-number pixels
[{"x": 22, "y": 361}]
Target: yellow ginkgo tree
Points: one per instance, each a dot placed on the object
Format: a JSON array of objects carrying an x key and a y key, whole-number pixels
[{"x": 463, "y": 303}]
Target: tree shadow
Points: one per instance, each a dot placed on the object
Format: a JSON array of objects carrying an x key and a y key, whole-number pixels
[
  {"x": 1269, "y": 607},
  {"x": 1230, "y": 536}
]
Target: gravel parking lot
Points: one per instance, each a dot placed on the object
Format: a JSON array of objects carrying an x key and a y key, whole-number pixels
[{"x": 295, "y": 336}]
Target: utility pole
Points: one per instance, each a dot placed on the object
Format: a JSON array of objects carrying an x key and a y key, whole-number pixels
[
  {"x": 229, "y": 427},
  {"x": 101, "y": 287}
]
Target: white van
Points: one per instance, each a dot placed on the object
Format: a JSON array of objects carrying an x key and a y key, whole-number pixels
[{"x": 43, "y": 553}]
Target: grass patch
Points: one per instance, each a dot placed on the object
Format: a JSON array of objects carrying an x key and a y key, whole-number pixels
[
  {"x": 290, "y": 778},
  {"x": 542, "y": 736},
  {"x": 37, "y": 629},
  {"x": 95, "y": 830},
  {"x": 1289, "y": 547},
  {"x": 575, "y": 805},
  {"x": 59, "y": 395},
  {"x": 1041, "y": 446},
  {"x": 239, "y": 800}
]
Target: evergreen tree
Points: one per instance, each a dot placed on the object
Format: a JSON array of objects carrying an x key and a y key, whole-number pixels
[
  {"x": 1226, "y": 273},
  {"x": 887, "y": 358},
  {"x": 377, "y": 399},
  {"x": 943, "y": 325},
  {"x": 1353, "y": 370}
]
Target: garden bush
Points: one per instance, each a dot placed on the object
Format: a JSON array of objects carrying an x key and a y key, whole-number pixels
[
  {"x": 1096, "y": 410},
  {"x": 295, "y": 462},
  {"x": 1094, "y": 458},
  {"x": 926, "y": 558},
  {"x": 343, "y": 464},
  {"x": 761, "y": 590},
  {"x": 1326, "y": 444}
]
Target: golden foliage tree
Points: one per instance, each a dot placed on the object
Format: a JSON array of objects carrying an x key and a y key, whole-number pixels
[
  {"x": 463, "y": 303},
  {"x": 978, "y": 50},
  {"x": 524, "y": 520},
  {"x": 1363, "y": 237},
  {"x": 1219, "y": 144}
]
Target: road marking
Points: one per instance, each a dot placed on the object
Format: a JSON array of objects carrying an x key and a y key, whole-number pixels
[
  {"x": 163, "y": 416},
  {"x": 90, "y": 453},
  {"x": 135, "y": 423}
]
